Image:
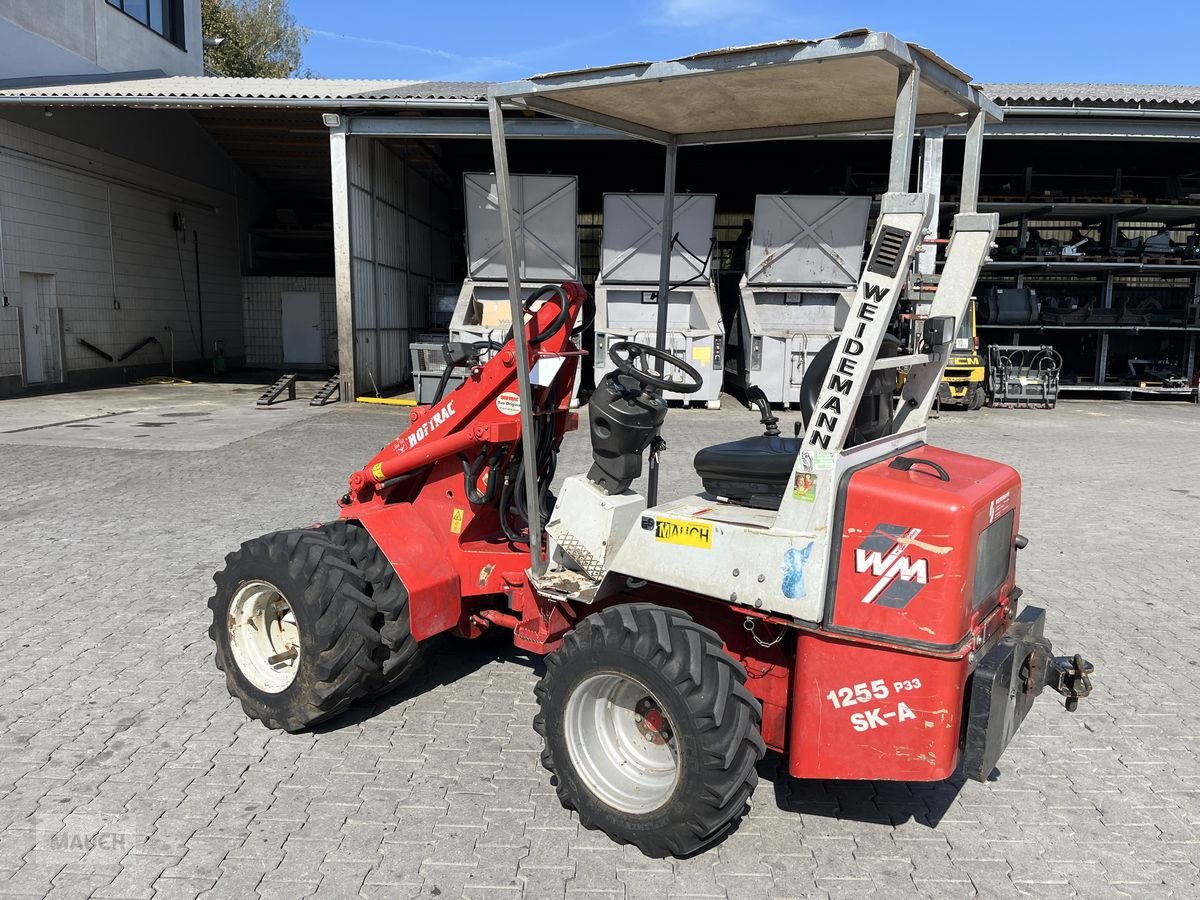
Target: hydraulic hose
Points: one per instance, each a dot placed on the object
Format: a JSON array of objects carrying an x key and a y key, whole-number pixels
[
  {"x": 506, "y": 480},
  {"x": 506, "y": 499},
  {"x": 564, "y": 309},
  {"x": 472, "y": 470},
  {"x": 446, "y": 372}
]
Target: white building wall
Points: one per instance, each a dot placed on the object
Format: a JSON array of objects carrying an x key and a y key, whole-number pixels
[
  {"x": 84, "y": 37},
  {"x": 104, "y": 228},
  {"x": 264, "y": 317}
]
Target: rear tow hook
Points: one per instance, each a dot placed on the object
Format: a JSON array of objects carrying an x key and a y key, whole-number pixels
[{"x": 1069, "y": 676}]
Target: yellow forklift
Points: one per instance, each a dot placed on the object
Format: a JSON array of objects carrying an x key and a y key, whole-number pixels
[{"x": 963, "y": 380}]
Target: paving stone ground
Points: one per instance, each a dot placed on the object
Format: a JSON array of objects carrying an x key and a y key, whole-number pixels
[{"x": 127, "y": 772}]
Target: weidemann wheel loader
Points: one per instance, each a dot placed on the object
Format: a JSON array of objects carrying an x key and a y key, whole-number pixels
[{"x": 847, "y": 597}]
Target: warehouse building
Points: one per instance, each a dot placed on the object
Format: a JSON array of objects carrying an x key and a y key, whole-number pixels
[{"x": 152, "y": 218}]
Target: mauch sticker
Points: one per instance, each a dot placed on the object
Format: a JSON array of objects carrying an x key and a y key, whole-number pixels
[
  {"x": 805, "y": 487},
  {"x": 793, "y": 571},
  {"x": 999, "y": 506},
  {"x": 509, "y": 403},
  {"x": 683, "y": 533}
]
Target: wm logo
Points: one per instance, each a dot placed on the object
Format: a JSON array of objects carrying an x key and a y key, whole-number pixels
[{"x": 900, "y": 577}]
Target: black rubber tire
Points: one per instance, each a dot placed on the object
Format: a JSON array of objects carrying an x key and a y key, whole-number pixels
[
  {"x": 977, "y": 398},
  {"x": 701, "y": 689},
  {"x": 400, "y": 654},
  {"x": 328, "y": 596}
]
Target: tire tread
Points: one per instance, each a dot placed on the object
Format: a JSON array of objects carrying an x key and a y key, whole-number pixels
[{"x": 711, "y": 684}]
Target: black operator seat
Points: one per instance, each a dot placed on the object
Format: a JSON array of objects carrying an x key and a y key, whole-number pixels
[
  {"x": 755, "y": 470},
  {"x": 751, "y": 472}
]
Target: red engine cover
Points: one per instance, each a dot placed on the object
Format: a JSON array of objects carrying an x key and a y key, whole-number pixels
[
  {"x": 925, "y": 561},
  {"x": 911, "y": 547}
]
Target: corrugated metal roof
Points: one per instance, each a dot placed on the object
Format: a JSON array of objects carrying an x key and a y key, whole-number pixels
[
  {"x": 185, "y": 90},
  {"x": 435, "y": 90},
  {"x": 1106, "y": 94},
  {"x": 215, "y": 88}
]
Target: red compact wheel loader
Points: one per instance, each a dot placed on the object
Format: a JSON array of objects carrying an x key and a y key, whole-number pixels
[{"x": 846, "y": 597}]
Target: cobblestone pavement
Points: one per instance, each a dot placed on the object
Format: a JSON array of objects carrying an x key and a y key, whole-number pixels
[{"x": 127, "y": 772}]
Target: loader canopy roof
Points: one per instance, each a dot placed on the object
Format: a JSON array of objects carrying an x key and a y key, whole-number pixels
[
  {"x": 791, "y": 88},
  {"x": 859, "y": 81}
]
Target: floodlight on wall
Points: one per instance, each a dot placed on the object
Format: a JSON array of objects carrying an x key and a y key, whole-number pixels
[{"x": 331, "y": 120}]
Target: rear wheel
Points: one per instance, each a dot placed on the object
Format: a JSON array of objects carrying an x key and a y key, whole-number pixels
[
  {"x": 976, "y": 397},
  {"x": 399, "y": 654},
  {"x": 649, "y": 729},
  {"x": 292, "y": 628}
]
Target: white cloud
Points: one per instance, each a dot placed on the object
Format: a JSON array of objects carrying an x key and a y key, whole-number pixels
[
  {"x": 460, "y": 67},
  {"x": 474, "y": 61}
]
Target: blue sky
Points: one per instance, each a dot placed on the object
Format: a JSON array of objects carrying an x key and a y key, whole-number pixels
[{"x": 1060, "y": 40}]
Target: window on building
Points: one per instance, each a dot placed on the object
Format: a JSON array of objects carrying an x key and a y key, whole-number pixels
[{"x": 162, "y": 16}]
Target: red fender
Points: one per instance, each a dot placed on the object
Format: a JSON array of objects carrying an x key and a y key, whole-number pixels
[{"x": 420, "y": 559}]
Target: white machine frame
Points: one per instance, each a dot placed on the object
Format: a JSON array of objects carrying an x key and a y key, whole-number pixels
[{"x": 857, "y": 82}]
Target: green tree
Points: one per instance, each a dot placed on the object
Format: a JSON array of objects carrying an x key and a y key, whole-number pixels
[{"x": 257, "y": 38}]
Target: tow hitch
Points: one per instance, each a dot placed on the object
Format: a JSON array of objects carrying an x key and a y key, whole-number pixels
[
  {"x": 1007, "y": 681},
  {"x": 1069, "y": 677}
]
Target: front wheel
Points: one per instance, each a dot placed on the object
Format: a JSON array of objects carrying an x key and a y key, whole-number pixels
[
  {"x": 649, "y": 729},
  {"x": 292, "y": 624}
]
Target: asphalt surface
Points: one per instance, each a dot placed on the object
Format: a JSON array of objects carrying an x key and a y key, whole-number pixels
[{"x": 126, "y": 771}]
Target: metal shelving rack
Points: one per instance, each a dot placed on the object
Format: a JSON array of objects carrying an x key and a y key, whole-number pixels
[{"x": 1110, "y": 218}]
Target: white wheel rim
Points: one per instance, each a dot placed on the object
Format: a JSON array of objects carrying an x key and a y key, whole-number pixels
[
  {"x": 263, "y": 636},
  {"x": 622, "y": 743}
]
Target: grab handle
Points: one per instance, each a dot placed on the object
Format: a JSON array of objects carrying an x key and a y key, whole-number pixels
[{"x": 904, "y": 463}]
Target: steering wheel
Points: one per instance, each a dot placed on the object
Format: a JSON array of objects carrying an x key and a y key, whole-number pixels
[{"x": 632, "y": 351}]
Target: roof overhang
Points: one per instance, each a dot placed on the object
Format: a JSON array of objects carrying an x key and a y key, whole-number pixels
[
  {"x": 845, "y": 84},
  {"x": 213, "y": 92}
]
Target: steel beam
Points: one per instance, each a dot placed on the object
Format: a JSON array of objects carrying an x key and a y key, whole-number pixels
[
  {"x": 343, "y": 292},
  {"x": 664, "y": 290},
  {"x": 900, "y": 169},
  {"x": 932, "y": 150},
  {"x": 825, "y": 129},
  {"x": 479, "y": 127},
  {"x": 968, "y": 195},
  {"x": 525, "y": 390},
  {"x": 554, "y": 107}
]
